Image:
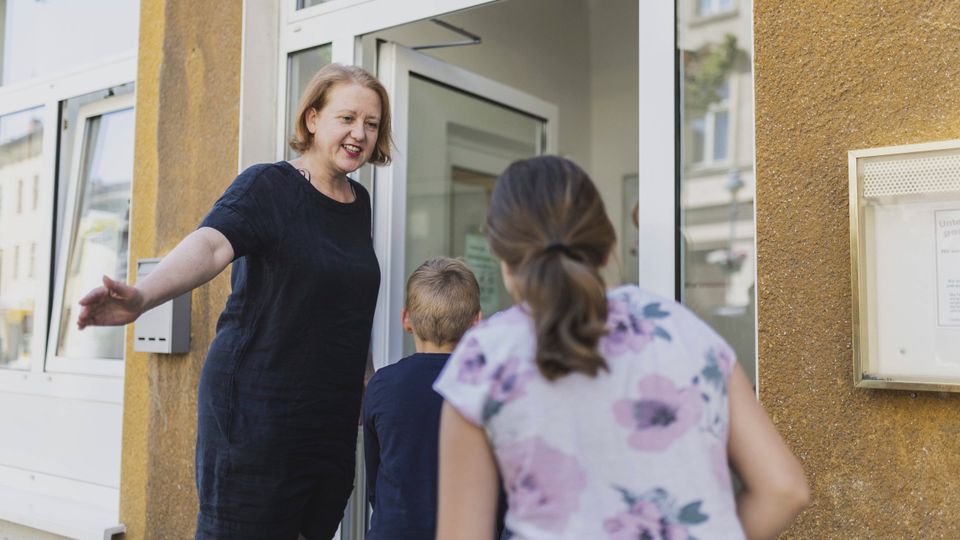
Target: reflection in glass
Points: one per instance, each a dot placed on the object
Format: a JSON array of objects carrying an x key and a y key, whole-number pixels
[
  {"x": 303, "y": 65},
  {"x": 21, "y": 137},
  {"x": 100, "y": 238},
  {"x": 34, "y": 35},
  {"x": 303, "y": 4},
  {"x": 716, "y": 178},
  {"x": 458, "y": 145}
]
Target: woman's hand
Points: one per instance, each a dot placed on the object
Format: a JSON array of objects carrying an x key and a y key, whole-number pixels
[{"x": 113, "y": 304}]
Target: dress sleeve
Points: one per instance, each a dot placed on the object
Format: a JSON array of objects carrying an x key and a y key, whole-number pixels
[
  {"x": 465, "y": 380},
  {"x": 244, "y": 213}
]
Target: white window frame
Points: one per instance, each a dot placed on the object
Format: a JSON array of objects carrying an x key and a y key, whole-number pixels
[
  {"x": 64, "y": 364},
  {"x": 49, "y": 94},
  {"x": 657, "y": 212}
]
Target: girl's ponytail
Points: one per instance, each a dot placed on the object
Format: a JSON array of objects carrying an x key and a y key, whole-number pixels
[{"x": 548, "y": 224}]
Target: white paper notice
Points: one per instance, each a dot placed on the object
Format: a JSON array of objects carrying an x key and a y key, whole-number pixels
[
  {"x": 485, "y": 267},
  {"x": 948, "y": 266}
]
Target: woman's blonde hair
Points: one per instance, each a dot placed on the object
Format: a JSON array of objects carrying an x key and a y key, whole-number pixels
[{"x": 315, "y": 97}]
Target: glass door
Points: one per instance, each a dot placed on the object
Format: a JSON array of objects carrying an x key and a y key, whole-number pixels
[{"x": 455, "y": 131}]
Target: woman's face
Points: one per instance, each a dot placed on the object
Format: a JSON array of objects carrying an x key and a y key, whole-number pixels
[{"x": 345, "y": 131}]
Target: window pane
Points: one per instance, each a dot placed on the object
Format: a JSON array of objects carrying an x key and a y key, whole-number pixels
[
  {"x": 698, "y": 139},
  {"x": 303, "y": 65},
  {"x": 458, "y": 145},
  {"x": 99, "y": 242},
  {"x": 35, "y": 34},
  {"x": 716, "y": 181},
  {"x": 721, "y": 120},
  {"x": 21, "y": 136}
]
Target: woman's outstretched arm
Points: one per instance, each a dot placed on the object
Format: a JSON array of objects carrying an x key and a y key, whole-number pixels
[
  {"x": 197, "y": 259},
  {"x": 774, "y": 487},
  {"x": 467, "y": 499}
]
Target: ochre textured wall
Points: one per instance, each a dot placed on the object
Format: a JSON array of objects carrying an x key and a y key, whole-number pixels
[
  {"x": 831, "y": 77},
  {"x": 188, "y": 93}
]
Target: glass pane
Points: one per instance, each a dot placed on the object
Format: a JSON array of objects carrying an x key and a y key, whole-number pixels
[
  {"x": 34, "y": 35},
  {"x": 21, "y": 139},
  {"x": 303, "y": 65},
  {"x": 458, "y": 145},
  {"x": 100, "y": 237},
  {"x": 721, "y": 121},
  {"x": 716, "y": 177}
]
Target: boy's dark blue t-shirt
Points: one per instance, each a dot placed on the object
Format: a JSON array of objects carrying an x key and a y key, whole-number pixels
[{"x": 401, "y": 421}]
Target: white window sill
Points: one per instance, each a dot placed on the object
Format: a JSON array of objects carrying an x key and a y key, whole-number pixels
[{"x": 65, "y": 517}]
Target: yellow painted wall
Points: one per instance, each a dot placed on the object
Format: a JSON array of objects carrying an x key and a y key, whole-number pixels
[
  {"x": 188, "y": 93},
  {"x": 833, "y": 76}
]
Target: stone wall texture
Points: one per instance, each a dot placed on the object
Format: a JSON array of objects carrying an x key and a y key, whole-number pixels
[
  {"x": 187, "y": 134},
  {"x": 831, "y": 77}
]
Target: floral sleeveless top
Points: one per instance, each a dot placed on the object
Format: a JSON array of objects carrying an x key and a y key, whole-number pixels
[{"x": 637, "y": 452}]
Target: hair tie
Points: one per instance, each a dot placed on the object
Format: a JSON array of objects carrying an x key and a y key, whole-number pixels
[{"x": 560, "y": 247}]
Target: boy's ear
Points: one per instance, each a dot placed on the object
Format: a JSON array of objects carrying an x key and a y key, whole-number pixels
[
  {"x": 405, "y": 320},
  {"x": 477, "y": 319}
]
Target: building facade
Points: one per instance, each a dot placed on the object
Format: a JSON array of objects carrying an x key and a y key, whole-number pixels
[{"x": 114, "y": 150}]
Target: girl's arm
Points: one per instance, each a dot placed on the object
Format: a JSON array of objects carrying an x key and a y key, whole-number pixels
[
  {"x": 774, "y": 487},
  {"x": 467, "y": 500},
  {"x": 197, "y": 259}
]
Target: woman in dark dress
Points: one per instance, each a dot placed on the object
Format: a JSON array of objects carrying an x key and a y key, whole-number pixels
[{"x": 279, "y": 395}]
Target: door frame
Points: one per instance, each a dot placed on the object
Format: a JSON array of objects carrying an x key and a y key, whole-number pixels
[{"x": 395, "y": 64}]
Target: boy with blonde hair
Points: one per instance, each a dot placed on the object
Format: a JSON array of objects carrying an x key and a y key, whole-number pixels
[{"x": 401, "y": 412}]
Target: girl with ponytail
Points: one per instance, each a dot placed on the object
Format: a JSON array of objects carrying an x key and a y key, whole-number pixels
[{"x": 606, "y": 414}]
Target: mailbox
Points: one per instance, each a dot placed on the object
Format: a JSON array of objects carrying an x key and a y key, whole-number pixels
[{"x": 165, "y": 328}]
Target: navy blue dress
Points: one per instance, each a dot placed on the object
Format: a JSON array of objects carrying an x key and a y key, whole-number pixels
[{"x": 279, "y": 395}]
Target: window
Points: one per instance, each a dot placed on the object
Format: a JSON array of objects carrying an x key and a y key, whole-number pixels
[
  {"x": 21, "y": 136},
  {"x": 96, "y": 228},
  {"x": 706, "y": 8},
  {"x": 302, "y": 66},
  {"x": 716, "y": 179},
  {"x": 32, "y": 265},
  {"x": 708, "y": 134},
  {"x": 36, "y": 190}
]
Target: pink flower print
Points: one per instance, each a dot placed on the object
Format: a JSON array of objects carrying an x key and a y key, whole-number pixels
[
  {"x": 507, "y": 384},
  {"x": 661, "y": 414},
  {"x": 643, "y": 521},
  {"x": 627, "y": 333},
  {"x": 653, "y": 516},
  {"x": 725, "y": 358},
  {"x": 672, "y": 531},
  {"x": 543, "y": 484},
  {"x": 471, "y": 368}
]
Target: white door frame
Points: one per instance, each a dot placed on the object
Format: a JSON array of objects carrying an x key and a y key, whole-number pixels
[
  {"x": 658, "y": 211},
  {"x": 396, "y": 63}
]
